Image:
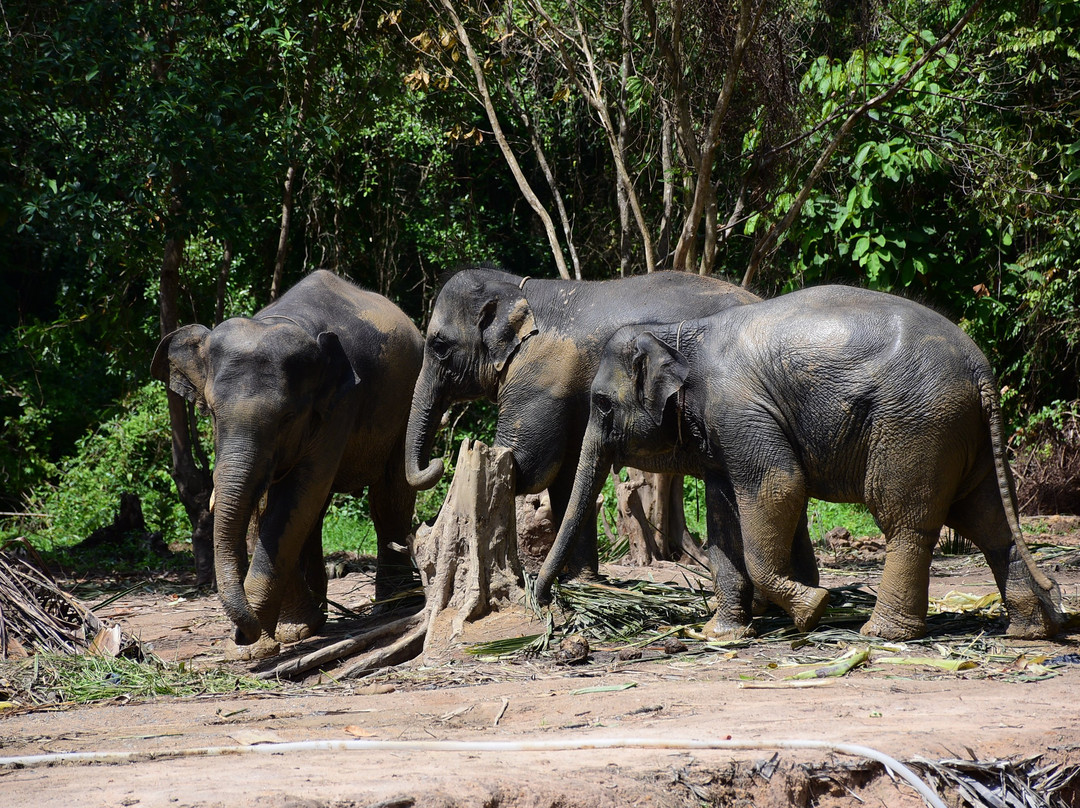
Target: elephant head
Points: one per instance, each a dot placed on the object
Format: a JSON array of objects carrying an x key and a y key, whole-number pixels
[
  {"x": 267, "y": 385},
  {"x": 637, "y": 377},
  {"x": 481, "y": 318}
]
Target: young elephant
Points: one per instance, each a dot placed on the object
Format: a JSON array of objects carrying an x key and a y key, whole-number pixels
[
  {"x": 533, "y": 346},
  {"x": 308, "y": 397},
  {"x": 831, "y": 392}
]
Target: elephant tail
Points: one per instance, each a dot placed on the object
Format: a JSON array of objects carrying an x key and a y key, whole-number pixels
[{"x": 991, "y": 407}]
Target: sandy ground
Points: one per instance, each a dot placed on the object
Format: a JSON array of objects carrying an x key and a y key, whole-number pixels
[{"x": 1008, "y": 706}]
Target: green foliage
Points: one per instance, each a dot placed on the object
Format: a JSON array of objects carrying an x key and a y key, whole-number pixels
[
  {"x": 84, "y": 678},
  {"x": 130, "y": 452},
  {"x": 347, "y": 526},
  {"x": 824, "y": 516}
]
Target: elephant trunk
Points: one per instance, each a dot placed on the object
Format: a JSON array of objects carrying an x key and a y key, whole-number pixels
[
  {"x": 235, "y": 495},
  {"x": 588, "y": 482},
  {"x": 420, "y": 436}
]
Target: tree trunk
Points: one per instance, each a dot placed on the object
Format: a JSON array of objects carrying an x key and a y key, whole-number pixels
[
  {"x": 283, "y": 232},
  {"x": 193, "y": 481},
  {"x": 652, "y": 518},
  {"x": 224, "y": 268}
]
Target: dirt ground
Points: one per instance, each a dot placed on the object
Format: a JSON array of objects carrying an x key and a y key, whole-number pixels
[{"x": 1016, "y": 701}]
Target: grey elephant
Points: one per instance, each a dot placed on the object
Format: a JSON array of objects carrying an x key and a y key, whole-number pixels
[
  {"x": 308, "y": 397},
  {"x": 838, "y": 393},
  {"x": 533, "y": 345}
]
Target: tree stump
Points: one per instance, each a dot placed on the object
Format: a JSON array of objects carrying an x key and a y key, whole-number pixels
[
  {"x": 470, "y": 571},
  {"x": 652, "y": 517},
  {"x": 468, "y": 560},
  {"x": 536, "y": 530}
]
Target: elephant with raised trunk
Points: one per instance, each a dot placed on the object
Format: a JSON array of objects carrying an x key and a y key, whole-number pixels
[
  {"x": 309, "y": 397},
  {"x": 837, "y": 393},
  {"x": 533, "y": 345}
]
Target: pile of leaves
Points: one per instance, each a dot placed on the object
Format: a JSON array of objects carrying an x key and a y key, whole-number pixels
[
  {"x": 37, "y": 616},
  {"x": 1018, "y": 783}
]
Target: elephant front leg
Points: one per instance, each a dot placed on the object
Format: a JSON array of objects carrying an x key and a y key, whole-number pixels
[
  {"x": 903, "y": 596},
  {"x": 769, "y": 524},
  {"x": 392, "y": 506},
  {"x": 303, "y": 600},
  {"x": 732, "y": 586}
]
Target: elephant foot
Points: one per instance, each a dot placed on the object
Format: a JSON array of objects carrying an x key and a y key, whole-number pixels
[
  {"x": 807, "y": 612},
  {"x": 1034, "y": 623},
  {"x": 289, "y": 631},
  {"x": 893, "y": 627},
  {"x": 586, "y": 575},
  {"x": 262, "y": 648},
  {"x": 723, "y": 629}
]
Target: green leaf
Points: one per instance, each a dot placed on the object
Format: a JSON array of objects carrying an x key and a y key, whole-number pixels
[
  {"x": 603, "y": 689},
  {"x": 861, "y": 246}
]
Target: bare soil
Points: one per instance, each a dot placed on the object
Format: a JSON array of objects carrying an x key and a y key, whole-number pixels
[{"x": 1009, "y": 706}]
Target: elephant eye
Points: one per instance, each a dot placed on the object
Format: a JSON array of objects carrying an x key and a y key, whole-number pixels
[
  {"x": 440, "y": 347},
  {"x": 602, "y": 403}
]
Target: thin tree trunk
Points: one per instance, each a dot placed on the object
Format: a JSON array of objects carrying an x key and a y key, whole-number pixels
[
  {"x": 748, "y": 22},
  {"x": 620, "y": 192},
  {"x": 193, "y": 482},
  {"x": 663, "y": 244},
  {"x": 549, "y": 175},
  {"x": 283, "y": 233},
  {"x": 592, "y": 92},
  {"x": 224, "y": 268},
  {"x": 504, "y": 145}
]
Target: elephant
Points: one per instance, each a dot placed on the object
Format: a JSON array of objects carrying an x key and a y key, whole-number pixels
[
  {"x": 308, "y": 397},
  {"x": 532, "y": 346},
  {"x": 838, "y": 393}
]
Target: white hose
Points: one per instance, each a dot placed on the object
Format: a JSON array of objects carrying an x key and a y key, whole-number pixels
[{"x": 569, "y": 744}]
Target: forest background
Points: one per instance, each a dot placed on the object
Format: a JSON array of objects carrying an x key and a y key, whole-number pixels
[{"x": 184, "y": 161}]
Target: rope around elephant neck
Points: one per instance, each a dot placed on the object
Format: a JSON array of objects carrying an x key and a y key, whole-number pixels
[
  {"x": 279, "y": 317},
  {"x": 680, "y": 396},
  {"x": 892, "y": 765}
]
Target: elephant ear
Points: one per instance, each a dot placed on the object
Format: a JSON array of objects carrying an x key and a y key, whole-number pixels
[
  {"x": 658, "y": 371},
  {"x": 181, "y": 362},
  {"x": 339, "y": 377},
  {"x": 505, "y": 321}
]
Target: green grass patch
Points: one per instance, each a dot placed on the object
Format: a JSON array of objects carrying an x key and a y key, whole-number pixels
[
  {"x": 347, "y": 526},
  {"x": 823, "y": 516},
  {"x": 52, "y": 678}
]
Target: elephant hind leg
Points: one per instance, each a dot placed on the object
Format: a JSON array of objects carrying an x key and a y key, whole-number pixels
[
  {"x": 980, "y": 518},
  {"x": 903, "y": 596}
]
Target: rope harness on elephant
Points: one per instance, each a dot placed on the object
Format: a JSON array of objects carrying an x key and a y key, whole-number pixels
[
  {"x": 280, "y": 317},
  {"x": 680, "y": 395}
]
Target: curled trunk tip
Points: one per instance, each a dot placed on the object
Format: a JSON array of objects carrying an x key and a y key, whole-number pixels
[{"x": 425, "y": 478}]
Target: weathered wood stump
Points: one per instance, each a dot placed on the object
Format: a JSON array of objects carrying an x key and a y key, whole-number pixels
[
  {"x": 469, "y": 568},
  {"x": 652, "y": 517},
  {"x": 536, "y": 530}
]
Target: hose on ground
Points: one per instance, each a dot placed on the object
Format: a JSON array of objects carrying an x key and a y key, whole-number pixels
[{"x": 892, "y": 765}]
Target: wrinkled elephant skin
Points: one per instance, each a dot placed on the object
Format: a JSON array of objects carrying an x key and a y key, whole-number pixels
[
  {"x": 309, "y": 397},
  {"x": 532, "y": 346},
  {"x": 836, "y": 393}
]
